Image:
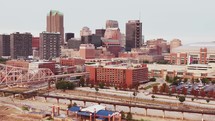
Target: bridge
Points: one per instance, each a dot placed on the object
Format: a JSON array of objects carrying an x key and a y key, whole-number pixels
[
  {"x": 130, "y": 105},
  {"x": 11, "y": 75}
]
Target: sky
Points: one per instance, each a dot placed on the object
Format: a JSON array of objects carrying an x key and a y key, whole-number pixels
[{"x": 188, "y": 20}]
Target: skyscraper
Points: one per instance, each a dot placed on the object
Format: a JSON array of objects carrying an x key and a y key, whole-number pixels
[
  {"x": 20, "y": 45},
  {"x": 85, "y": 31},
  {"x": 55, "y": 23},
  {"x": 49, "y": 45},
  {"x": 4, "y": 45},
  {"x": 100, "y": 32},
  {"x": 133, "y": 34},
  {"x": 112, "y": 24},
  {"x": 69, "y": 36}
]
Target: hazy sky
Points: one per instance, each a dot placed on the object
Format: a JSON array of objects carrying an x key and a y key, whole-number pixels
[{"x": 188, "y": 20}]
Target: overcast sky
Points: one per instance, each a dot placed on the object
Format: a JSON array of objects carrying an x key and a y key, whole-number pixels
[{"x": 188, "y": 20}]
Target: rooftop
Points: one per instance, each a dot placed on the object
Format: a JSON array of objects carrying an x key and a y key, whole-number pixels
[
  {"x": 196, "y": 46},
  {"x": 54, "y": 12}
]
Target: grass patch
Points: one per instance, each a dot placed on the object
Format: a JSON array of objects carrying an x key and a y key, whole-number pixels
[{"x": 150, "y": 86}]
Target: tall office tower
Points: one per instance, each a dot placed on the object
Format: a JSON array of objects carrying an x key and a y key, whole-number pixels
[
  {"x": 4, "y": 45},
  {"x": 112, "y": 33},
  {"x": 20, "y": 45},
  {"x": 85, "y": 31},
  {"x": 92, "y": 39},
  {"x": 49, "y": 45},
  {"x": 100, "y": 32},
  {"x": 69, "y": 36},
  {"x": 55, "y": 23},
  {"x": 112, "y": 24},
  {"x": 133, "y": 34}
]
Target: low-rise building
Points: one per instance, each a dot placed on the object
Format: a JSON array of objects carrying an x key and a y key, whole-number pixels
[
  {"x": 120, "y": 75},
  {"x": 71, "y": 61}
]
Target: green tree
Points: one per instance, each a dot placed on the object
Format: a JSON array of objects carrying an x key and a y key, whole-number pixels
[
  {"x": 82, "y": 82},
  {"x": 129, "y": 116},
  {"x": 69, "y": 106},
  {"x": 101, "y": 85},
  {"x": 74, "y": 104},
  {"x": 153, "y": 97},
  {"x": 167, "y": 78},
  {"x": 205, "y": 80},
  {"x": 207, "y": 100},
  {"x": 152, "y": 79},
  {"x": 122, "y": 114},
  {"x": 181, "y": 99},
  {"x": 65, "y": 85},
  {"x": 97, "y": 89}
]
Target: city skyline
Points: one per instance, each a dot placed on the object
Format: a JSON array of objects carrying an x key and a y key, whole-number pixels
[{"x": 166, "y": 19}]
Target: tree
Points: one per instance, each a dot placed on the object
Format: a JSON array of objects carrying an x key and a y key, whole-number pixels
[
  {"x": 129, "y": 116},
  {"x": 155, "y": 89},
  {"x": 181, "y": 99},
  {"x": 153, "y": 97},
  {"x": 82, "y": 82},
  {"x": 185, "y": 79},
  {"x": 167, "y": 79},
  {"x": 101, "y": 85},
  {"x": 207, "y": 100},
  {"x": 192, "y": 99},
  {"x": 69, "y": 106},
  {"x": 65, "y": 85},
  {"x": 152, "y": 79},
  {"x": 205, "y": 80},
  {"x": 74, "y": 104},
  {"x": 122, "y": 114},
  {"x": 115, "y": 87},
  {"x": 97, "y": 89}
]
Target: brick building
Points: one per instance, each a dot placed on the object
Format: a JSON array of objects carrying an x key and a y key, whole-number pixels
[
  {"x": 122, "y": 75},
  {"x": 4, "y": 45},
  {"x": 55, "y": 23},
  {"x": 87, "y": 51},
  {"x": 20, "y": 45},
  {"x": 49, "y": 45},
  {"x": 71, "y": 61}
]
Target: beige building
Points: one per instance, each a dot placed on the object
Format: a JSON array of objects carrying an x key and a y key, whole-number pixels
[
  {"x": 184, "y": 71},
  {"x": 85, "y": 31},
  {"x": 55, "y": 23},
  {"x": 174, "y": 44}
]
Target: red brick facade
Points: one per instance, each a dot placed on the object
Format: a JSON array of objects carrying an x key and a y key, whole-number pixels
[{"x": 119, "y": 77}]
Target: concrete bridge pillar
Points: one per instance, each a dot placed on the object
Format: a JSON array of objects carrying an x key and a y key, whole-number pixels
[
  {"x": 45, "y": 99},
  {"x": 70, "y": 102},
  {"x": 3, "y": 94},
  {"x": 34, "y": 98},
  {"x": 202, "y": 117},
  {"x": 58, "y": 101},
  {"x": 58, "y": 110},
  {"x": 84, "y": 103},
  {"x": 109, "y": 117},
  {"x": 182, "y": 115},
  {"x": 146, "y": 111},
  {"x": 14, "y": 95},
  {"x": 114, "y": 107},
  {"x": 163, "y": 113},
  {"x": 129, "y": 108},
  {"x": 53, "y": 111}
]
